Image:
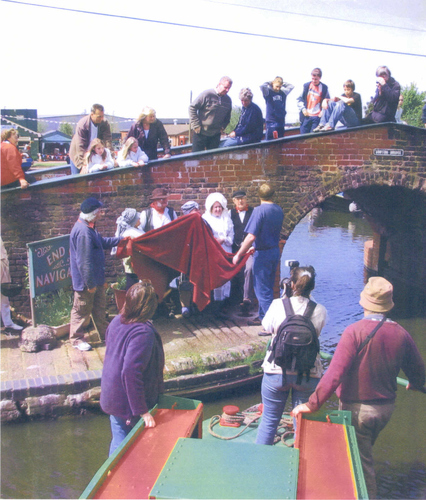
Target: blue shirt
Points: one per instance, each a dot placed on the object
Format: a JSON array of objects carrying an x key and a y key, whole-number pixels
[{"x": 265, "y": 223}]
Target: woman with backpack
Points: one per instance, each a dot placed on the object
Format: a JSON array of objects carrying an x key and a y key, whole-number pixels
[{"x": 299, "y": 375}]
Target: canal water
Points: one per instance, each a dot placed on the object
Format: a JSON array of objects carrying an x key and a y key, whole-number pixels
[{"x": 57, "y": 459}]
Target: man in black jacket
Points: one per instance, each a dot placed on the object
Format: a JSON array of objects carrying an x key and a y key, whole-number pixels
[
  {"x": 242, "y": 283},
  {"x": 385, "y": 101}
]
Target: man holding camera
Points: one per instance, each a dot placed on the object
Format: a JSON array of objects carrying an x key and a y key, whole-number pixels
[{"x": 385, "y": 101}]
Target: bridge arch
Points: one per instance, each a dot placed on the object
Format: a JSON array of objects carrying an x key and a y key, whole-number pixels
[{"x": 349, "y": 183}]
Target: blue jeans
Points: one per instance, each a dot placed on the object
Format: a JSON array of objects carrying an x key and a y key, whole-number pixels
[
  {"x": 308, "y": 124},
  {"x": 274, "y": 397},
  {"x": 339, "y": 112},
  {"x": 270, "y": 128},
  {"x": 119, "y": 431},
  {"x": 265, "y": 263},
  {"x": 229, "y": 142},
  {"x": 74, "y": 169}
]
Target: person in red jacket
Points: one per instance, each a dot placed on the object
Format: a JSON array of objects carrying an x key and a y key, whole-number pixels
[
  {"x": 11, "y": 160},
  {"x": 364, "y": 372}
]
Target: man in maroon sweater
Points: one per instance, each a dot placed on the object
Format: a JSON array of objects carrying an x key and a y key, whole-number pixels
[{"x": 364, "y": 377}]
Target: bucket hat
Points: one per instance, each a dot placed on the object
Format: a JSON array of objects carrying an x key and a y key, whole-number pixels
[{"x": 377, "y": 295}]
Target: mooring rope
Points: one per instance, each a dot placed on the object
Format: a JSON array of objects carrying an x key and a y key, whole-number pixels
[{"x": 248, "y": 417}]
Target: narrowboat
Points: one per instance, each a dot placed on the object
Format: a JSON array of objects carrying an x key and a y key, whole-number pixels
[{"x": 184, "y": 457}]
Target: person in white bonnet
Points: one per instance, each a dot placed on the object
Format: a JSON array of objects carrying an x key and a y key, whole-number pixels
[{"x": 218, "y": 218}]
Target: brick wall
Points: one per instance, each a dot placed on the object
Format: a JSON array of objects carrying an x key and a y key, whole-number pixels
[{"x": 305, "y": 170}]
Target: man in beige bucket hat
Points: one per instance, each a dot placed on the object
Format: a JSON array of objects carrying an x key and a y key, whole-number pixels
[{"x": 364, "y": 369}]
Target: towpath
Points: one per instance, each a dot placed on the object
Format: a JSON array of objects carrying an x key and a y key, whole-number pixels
[{"x": 200, "y": 351}]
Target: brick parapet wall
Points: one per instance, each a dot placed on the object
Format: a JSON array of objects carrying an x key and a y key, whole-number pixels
[{"x": 304, "y": 169}]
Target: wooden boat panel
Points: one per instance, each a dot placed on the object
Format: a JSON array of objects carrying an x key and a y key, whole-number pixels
[{"x": 137, "y": 471}]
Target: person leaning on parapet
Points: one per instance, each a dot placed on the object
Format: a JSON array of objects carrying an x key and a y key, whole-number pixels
[
  {"x": 346, "y": 109},
  {"x": 149, "y": 131},
  {"x": 209, "y": 115},
  {"x": 310, "y": 102},
  {"x": 158, "y": 214},
  {"x": 364, "y": 371},
  {"x": 242, "y": 283},
  {"x": 93, "y": 126},
  {"x": 385, "y": 102},
  {"x": 87, "y": 263},
  {"x": 275, "y": 94},
  {"x": 263, "y": 231},
  {"x": 11, "y": 161},
  {"x": 250, "y": 125}
]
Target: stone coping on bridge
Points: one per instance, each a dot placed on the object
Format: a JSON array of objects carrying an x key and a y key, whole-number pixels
[{"x": 201, "y": 154}]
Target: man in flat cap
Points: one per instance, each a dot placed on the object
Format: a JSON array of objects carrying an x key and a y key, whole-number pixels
[
  {"x": 87, "y": 262},
  {"x": 364, "y": 369},
  {"x": 158, "y": 214},
  {"x": 242, "y": 283}
]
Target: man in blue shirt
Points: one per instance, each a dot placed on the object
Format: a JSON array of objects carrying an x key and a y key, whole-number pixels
[
  {"x": 87, "y": 263},
  {"x": 263, "y": 232}
]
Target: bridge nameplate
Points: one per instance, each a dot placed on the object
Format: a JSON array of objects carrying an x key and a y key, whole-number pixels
[{"x": 388, "y": 152}]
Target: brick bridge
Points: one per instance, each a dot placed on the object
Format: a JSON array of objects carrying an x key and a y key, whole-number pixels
[{"x": 381, "y": 167}]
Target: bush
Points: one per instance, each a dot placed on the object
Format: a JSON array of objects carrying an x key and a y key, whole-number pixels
[{"x": 53, "y": 308}]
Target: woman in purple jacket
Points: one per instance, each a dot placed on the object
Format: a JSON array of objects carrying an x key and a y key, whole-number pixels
[{"x": 132, "y": 376}]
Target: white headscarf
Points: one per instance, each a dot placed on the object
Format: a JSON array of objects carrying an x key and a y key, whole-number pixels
[{"x": 222, "y": 226}]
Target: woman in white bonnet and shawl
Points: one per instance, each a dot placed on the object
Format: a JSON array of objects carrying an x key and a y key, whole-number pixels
[
  {"x": 218, "y": 218},
  {"x": 127, "y": 225}
]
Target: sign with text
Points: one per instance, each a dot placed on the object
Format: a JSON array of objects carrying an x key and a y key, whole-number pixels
[
  {"x": 49, "y": 265},
  {"x": 388, "y": 152}
]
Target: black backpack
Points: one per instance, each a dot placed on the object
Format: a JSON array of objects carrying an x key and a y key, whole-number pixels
[{"x": 296, "y": 342}]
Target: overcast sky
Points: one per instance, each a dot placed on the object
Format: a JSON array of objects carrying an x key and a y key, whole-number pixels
[{"x": 61, "y": 62}]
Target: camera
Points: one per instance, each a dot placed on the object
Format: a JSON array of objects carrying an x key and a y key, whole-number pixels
[{"x": 285, "y": 286}]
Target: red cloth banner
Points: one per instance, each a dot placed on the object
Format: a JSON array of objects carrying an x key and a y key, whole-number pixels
[{"x": 185, "y": 245}]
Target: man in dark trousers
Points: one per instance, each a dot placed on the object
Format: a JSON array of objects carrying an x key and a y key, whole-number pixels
[
  {"x": 87, "y": 262},
  {"x": 242, "y": 283},
  {"x": 210, "y": 114},
  {"x": 364, "y": 369}
]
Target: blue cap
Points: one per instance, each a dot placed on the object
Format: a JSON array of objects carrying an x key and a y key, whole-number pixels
[{"x": 90, "y": 205}]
